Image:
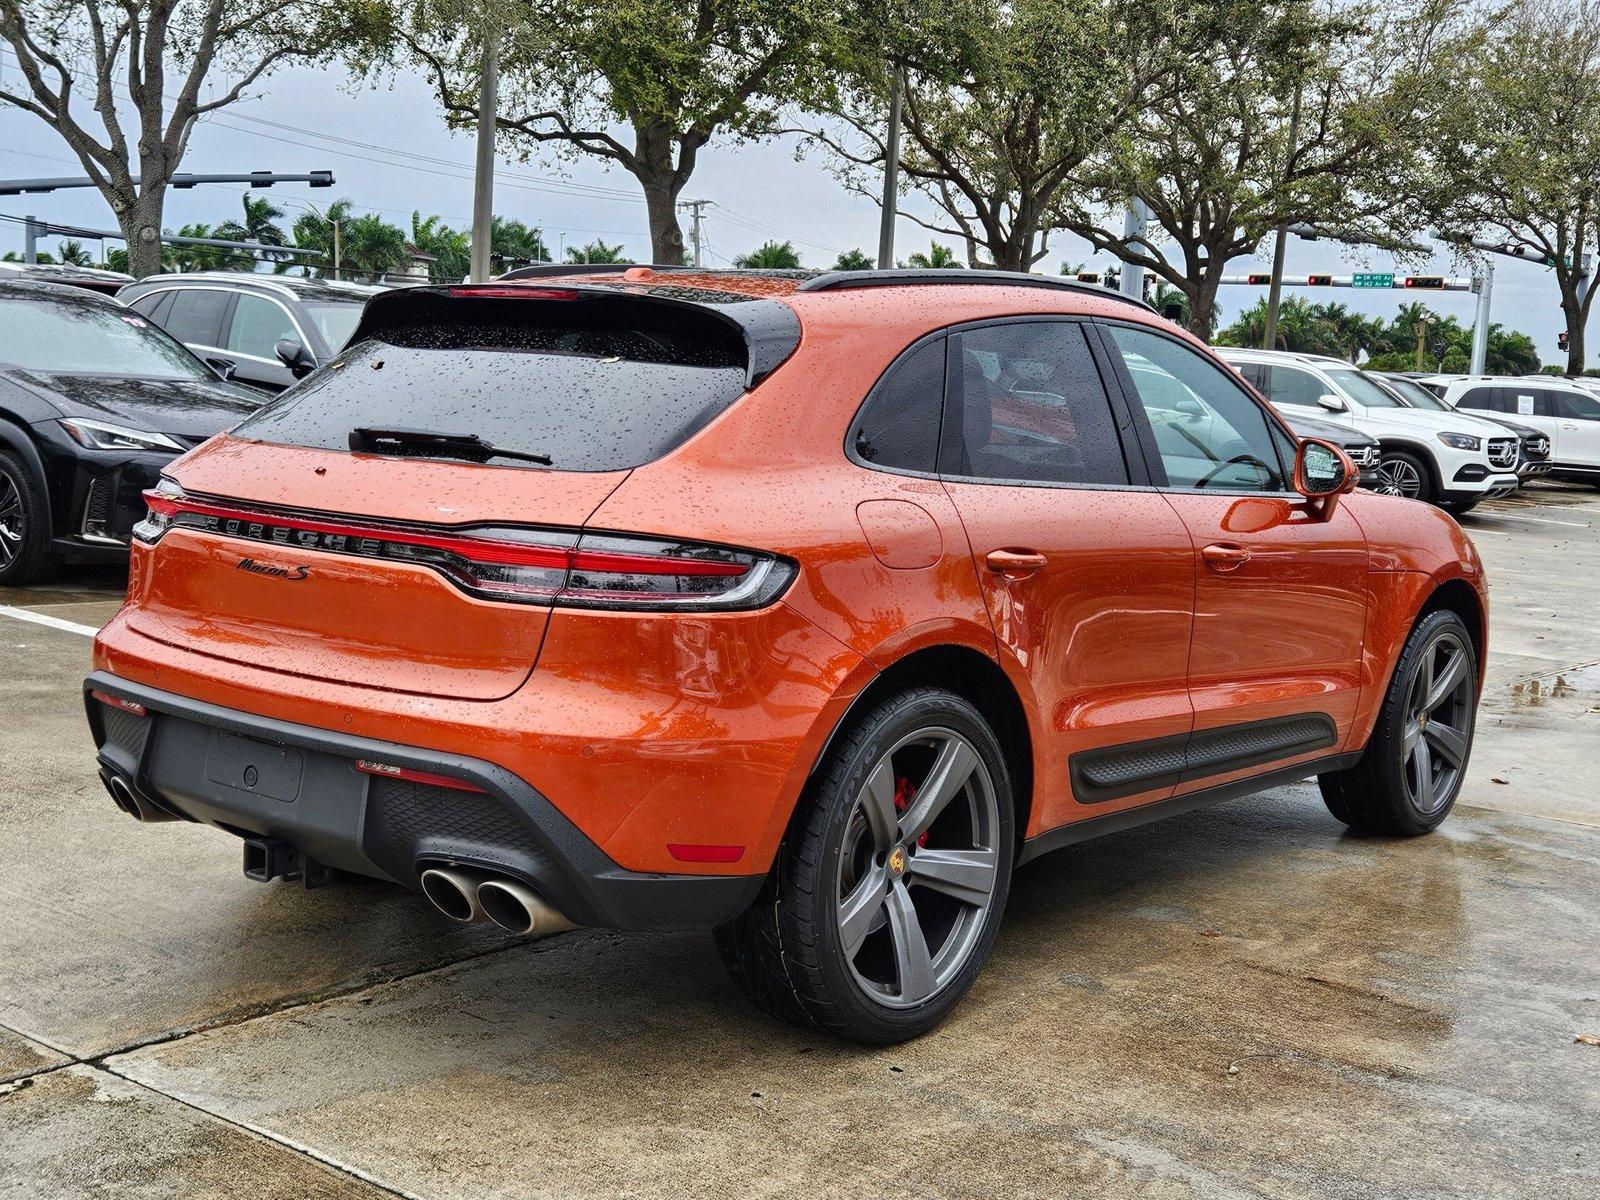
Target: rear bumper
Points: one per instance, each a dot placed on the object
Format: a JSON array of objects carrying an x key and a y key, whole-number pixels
[{"x": 183, "y": 753}]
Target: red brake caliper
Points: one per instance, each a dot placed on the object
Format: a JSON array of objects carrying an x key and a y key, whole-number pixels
[{"x": 904, "y": 793}]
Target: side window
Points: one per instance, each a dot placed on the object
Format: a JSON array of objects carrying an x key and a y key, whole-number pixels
[
  {"x": 196, "y": 315},
  {"x": 1288, "y": 385},
  {"x": 1544, "y": 402},
  {"x": 1578, "y": 408},
  {"x": 1481, "y": 398},
  {"x": 257, "y": 325},
  {"x": 1255, "y": 374},
  {"x": 899, "y": 424},
  {"x": 1026, "y": 404},
  {"x": 1209, "y": 432},
  {"x": 153, "y": 306}
]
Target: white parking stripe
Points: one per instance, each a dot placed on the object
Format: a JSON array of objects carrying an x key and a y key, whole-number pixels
[
  {"x": 1506, "y": 516},
  {"x": 38, "y": 618}
]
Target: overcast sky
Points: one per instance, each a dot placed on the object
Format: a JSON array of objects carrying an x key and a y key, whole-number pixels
[{"x": 391, "y": 153}]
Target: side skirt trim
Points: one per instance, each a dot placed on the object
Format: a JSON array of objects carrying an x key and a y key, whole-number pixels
[{"x": 1129, "y": 818}]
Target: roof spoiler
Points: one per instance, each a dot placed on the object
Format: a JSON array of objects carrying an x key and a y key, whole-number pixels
[{"x": 769, "y": 330}]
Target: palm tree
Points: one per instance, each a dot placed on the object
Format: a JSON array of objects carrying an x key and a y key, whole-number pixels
[
  {"x": 74, "y": 255},
  {"x": 770, "y": 256},
  {"x": 314, "y": 231},
  {"x": 372, "y": 246},
  {"x": 514, "y": 244},
  {"x": 207, "y": 258},
  {"x": 596, "y": 252},
  {"x": 853, "y": 260},
  {"x": 1164, "y": 298},
  {"x": 938, "y": 258},
  {"x": 451, "y": 248},
  {"x": 259, "y": 225}
]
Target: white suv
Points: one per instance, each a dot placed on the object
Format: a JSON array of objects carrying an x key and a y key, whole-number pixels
[
  {"x": 1448, "y": 459},
  {"x": 1567, "y": 411}
]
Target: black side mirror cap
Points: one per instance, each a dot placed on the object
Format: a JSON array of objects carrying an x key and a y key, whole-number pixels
[{"x": 296, "y": 357}]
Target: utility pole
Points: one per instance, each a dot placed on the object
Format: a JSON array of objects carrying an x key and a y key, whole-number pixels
[
  {"x": 1480, "y": 324},
  {"x": 696, "y": 208},
  {"x": 1269, "y": 333},
  {"x": 1422, "y": 335},
  {"x": 338, "y": 247},
  {"x": 1130, "y": 281},
  {"x": 30, "y": 240},
  {"x": 483, "y": 177},
  {"x": 891, "y": 177}
]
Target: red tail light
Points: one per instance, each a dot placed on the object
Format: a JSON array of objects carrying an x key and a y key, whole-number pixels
[
  {"x": 511, "y": 292},
  {"x": 523, "y": 564}
]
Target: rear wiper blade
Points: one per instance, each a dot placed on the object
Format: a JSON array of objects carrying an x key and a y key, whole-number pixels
[{"x": 449, "y": 445}]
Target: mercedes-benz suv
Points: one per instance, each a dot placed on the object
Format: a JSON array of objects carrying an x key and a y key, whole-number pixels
[{"x": 804, "y": 608}]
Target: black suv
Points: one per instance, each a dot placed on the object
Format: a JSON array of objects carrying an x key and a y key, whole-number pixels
[
  {"x": 94, "y": 402},
  {"x": 264, "y": 330}
]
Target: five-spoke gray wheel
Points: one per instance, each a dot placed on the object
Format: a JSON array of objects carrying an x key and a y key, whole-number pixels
[
  {"x": 919, "y": 867},
  {"x": 888, "y": 889},
  {"x": 1416, "y": 759}
]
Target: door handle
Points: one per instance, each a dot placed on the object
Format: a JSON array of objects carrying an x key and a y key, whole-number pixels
[
  {"x": 1225, "y": 556},
  {"x": 1014, "y": 562}
]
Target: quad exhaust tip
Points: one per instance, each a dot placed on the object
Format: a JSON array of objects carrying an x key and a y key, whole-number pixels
[{"x": 467, "y": 896}]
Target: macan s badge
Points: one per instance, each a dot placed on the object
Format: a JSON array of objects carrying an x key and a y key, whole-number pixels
[{"x": 295, "y": 571}]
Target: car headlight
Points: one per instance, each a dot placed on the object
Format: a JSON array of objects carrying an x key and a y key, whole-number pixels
[
  {"x": 1461, "y": 441},
  {"x": 98, "y": 435}
]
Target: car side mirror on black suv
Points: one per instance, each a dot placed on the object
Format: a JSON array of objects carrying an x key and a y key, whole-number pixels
[{"x": 296, "y": 357}]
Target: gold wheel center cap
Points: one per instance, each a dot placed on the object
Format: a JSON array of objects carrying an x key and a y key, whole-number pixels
[{"x": 897, "y": 862}]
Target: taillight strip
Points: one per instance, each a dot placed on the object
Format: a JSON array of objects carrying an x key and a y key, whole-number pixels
[
  {"x": 387, "y": 771},
  {"x": 475, "y": 549}
]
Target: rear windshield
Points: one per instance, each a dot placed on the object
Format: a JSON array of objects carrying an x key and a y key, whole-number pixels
[{"x": 590, "y": 396}]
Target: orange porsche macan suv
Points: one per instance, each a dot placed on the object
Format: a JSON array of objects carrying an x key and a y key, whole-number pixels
[{"x": 804, "y": 609}]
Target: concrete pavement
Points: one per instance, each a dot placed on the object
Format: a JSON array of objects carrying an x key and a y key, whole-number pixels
[{"x": 1241, "y": 1002}]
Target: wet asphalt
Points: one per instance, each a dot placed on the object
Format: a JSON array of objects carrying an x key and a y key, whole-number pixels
[{"x": 1245, "y": 1001}]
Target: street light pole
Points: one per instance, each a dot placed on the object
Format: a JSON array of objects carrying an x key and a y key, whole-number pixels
[
  {"x": 30, "y": 240},
  {"x": 891, "y": 177},
  {"x": 483, "y": 179},
  {"x": 1480, "y": 323},
  {"x": 1131, "y": 280},
  {"x": 1269, "y": 333}
]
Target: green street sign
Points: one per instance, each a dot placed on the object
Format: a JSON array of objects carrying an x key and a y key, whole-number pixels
[{"x": 1373, "y": 280}]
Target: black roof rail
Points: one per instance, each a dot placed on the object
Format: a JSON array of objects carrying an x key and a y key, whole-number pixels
[{"x": 841, "y": 280}]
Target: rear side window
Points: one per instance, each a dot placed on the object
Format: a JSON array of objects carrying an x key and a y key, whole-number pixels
[
  {"x": 1026, "y": 404},
  {"x": 196, "y": 316},
  {"x": 584, "y": 385},
  {"x": 1287, "y": 385},
  {"x": 899, "y": 424}
]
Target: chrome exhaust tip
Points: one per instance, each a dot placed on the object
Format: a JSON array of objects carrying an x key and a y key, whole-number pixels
[
  {"x": 121, "y": 793},
  {"x": 453, "y": 892},
  {"x": 517, "y": 907}
]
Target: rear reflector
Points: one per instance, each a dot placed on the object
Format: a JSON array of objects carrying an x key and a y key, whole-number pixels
[
  {"x": 526, "y": 565},
  {"x": 696, "y": 852},
  {"x": 131, "y": 706},
  {"x": 387, "y": 771}
]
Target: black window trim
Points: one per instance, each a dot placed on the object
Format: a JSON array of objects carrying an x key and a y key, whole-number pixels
[
  {"x": 1122, "y": 419},
  {"x": 1146, "y": 432}
]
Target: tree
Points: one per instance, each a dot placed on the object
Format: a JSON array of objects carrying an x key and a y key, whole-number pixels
[
  {"x": 451, "y": 248},
  {"x": 372, "y": 246},
  {"x": 142, "y": 68},
  {"x": 854, "y": 260},
  {"x": 937, "y": 258},
  {"x": 1296, "y": 113},
  {"x": 73, "y": 254},
  {"x": 1525, "y": 144},
  {"x": 770, "y": 256},
  {"x": 514, "y": 244},
  {"x": 315, "y": 231},
  {"x": 596, "y": 252},
  {"x": 205, "y": 258},
  {"x": 1002, "y": 101},
  {"x": 260, "y": 224},
  {"x": 674, "y": 73}
]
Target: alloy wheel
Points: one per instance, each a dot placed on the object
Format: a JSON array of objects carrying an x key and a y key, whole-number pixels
[
  {"x": 1398, "y": 477},
  {"x": 917, "y": 873},
  {"x": 1438, "y": 729},
  {"x": 11, "y": 521}
]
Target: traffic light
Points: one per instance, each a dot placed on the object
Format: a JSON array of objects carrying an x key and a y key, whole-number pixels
[
  {"x": 1431, "y": 282},
  {"x": 1088, "y": 277},
  {"x": 1259, "y": 280},
  {"x": 1319, "y": 280}
]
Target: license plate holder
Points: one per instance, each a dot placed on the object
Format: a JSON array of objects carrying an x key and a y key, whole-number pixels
[{"x": 253, "y": 767}]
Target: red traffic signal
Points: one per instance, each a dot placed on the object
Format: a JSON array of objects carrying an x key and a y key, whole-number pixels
[
  {"x": 1432, "y": 282},
  {"x": 1259, "y": 280},
  {"x": 1319, "y": 280}
]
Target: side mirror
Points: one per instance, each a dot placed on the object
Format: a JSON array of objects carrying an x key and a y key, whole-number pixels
[
  {"x": 296, "y": 357},
  {"x": 1333, "y": 403},
  {"x": 1323, "y": 472},
  {"x": 1189, "y": 408},
  {"x": 224, "y": 367}
]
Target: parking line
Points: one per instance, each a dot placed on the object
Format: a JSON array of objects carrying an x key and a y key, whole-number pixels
[
  {"x": 38, "y": 618},
  {"x": 1538, "y": 520}
]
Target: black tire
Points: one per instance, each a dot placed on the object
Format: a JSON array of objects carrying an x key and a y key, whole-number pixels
[
  {"x": 787, "y": 951},
  {"x": 1380, "y": 794},
  {"x": 1404, "y": 461},
  {"x": 24, "y": 526}
]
